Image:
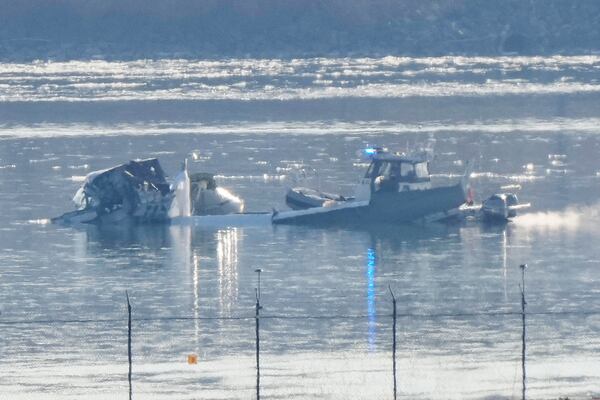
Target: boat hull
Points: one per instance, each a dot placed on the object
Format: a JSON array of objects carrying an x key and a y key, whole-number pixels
[{"x": 384, "y": 207}]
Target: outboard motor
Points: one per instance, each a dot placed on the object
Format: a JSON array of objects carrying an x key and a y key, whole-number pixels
[
  {"x": 502, "y": 206},
  {"x": 494, "y": 207}
]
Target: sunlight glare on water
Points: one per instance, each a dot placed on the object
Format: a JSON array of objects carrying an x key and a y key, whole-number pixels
[{"x": 313, "y": 78}]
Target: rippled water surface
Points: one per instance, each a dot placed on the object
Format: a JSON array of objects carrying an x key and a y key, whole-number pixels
[
  {"x": 528, "y": 124},
  {"x": 250, "y": 79}
]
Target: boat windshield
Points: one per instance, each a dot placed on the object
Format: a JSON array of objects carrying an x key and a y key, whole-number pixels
[{"x": 399, "y": 171}]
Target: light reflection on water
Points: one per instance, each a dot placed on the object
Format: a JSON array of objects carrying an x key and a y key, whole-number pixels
[
  {"x": 196, "y": 280},
  {"x": 227, "y": 259},
  {"x": 254, "y": 79},
  {"x": 371, "y": 270},
  {"x": 192, "y": 259},
  {"x": 505, "y": 262}
]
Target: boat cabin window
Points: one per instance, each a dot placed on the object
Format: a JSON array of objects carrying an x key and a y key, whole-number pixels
[
  {"x": 407, "y": 172},
  {"x": 422, "y": 170},
  {"x": 372, "y": 171},
  {"x": 399, "y": 171}
]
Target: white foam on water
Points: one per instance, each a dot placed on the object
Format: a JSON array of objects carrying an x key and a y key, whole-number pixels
[{"x": 572, "y": 218}]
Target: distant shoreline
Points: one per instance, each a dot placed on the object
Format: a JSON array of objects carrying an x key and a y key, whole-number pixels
[{"x": 153, "y": 29}]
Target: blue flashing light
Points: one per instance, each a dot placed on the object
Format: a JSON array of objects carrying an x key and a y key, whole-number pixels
[{"x": 370, "y": 151}]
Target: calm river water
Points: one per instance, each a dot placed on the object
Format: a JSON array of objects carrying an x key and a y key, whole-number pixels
[{"x": 530, "y": 125}]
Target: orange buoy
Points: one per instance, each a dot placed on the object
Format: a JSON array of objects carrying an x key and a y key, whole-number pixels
[{"x": 192, "y": 359}]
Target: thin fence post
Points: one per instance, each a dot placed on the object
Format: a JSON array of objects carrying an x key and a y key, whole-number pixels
[
  {"x": 129, "y": 343},
  {"x": 257, "y": 320},
  {"x": 394, "y": 341},
  {"x": 523, "y": 335}
]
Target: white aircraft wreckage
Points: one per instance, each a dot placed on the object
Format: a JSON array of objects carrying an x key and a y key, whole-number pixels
[{"x": 139, "y": 192}]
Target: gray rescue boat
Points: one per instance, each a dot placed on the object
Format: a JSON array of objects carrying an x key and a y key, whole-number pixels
[{"x": 395, "y": 189}]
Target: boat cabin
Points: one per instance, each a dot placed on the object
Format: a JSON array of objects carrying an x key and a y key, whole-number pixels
[{"x": 397, "y": 172}]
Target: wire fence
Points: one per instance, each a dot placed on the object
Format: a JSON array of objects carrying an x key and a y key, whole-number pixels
[{"x": 322, "y": 352}]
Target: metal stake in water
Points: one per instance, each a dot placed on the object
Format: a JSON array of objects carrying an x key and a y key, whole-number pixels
[
  {"x": 257, "y": 320},
  {"x": 523, "y": 336},
  {"x": 129, "y": 344},
  {"x": 394, "y": 340},
  {"x": 258, "y": 271}
]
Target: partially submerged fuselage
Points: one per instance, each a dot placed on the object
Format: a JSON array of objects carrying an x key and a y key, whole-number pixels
[{"x": 136, "y": 191}]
